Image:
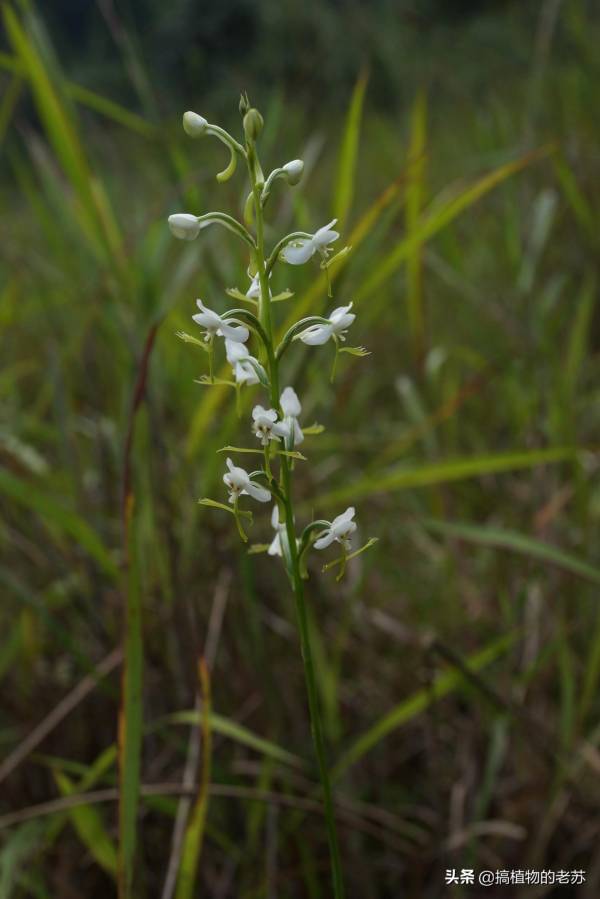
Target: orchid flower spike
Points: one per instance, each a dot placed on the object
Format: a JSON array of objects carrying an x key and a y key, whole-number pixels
[
  {"x": 265, "y": 425},
  {"x": 239, "y": 484},
  {"x": 214, "y": 324},
  {"x": 291, "y": 408},
  {"x": 304, "y": 248},
  {"x": 337, "y": 324},
  {"x": 241, "y": 362},
  {"x": 339, "y": 530}
]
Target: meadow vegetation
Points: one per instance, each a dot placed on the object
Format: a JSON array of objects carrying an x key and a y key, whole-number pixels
[{"x": 459, "y": 660}]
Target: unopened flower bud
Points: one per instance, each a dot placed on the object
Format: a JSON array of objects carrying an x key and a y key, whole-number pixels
[
  {"x": 293, "y": 171},
  {"x": 184, "y": 225},
  {"x": 194, "y": 124},
  {"x": 253, "y": 124},
  {"x": 244, "y": 104}
]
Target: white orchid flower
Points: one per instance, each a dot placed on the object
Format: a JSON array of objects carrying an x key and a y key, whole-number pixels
[
  {"x": 291, "y": 408},
  {"x": 337, "y": 324},
  {"x": 275, "y": 547},
  {"x": 339, "y": 530},
  {"x": 293, "y": 172},
  {"x": 194, "y": 125},
  {"x": 239, "y": 484},
  {"x": 241, "y": 362},
  {"x": 300, "y": 251},
  {"x": 184, "y": 225},
  {"x": 265, "y": 425},
  {"x": 253, "y": 292},
  {"x": 214, "y": 324},
  {"x": 280, "y": 544}
]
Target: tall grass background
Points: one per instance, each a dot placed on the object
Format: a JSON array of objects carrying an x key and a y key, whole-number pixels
[{"x": 147, "y": 660}]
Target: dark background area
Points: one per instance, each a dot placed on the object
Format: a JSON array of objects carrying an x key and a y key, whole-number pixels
[{"x": 311, "y": 50}]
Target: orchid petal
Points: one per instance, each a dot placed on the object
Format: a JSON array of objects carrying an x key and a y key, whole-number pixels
[
  {"x": 299, "y": 252},
  {"x": 316, "y": 335},
  {"x": 275, "y": 516},
  {"x": 345, "y": 516},
  {"x": 324, "y": 541},
  {"x": 258, "y": 493},
  {"x": 290, "y": 404},
  {"x": 237, "y": 333},
  {"x": 275, "y": 547},
  {"x": 298, "y": 435},
  {"x": 184, "y": 226}
]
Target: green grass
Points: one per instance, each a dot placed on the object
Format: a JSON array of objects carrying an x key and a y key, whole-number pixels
[{"x": 459, "y": 661}]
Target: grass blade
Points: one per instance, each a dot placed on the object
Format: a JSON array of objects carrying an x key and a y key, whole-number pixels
[
  {"x": 346, "y": 169},
  {"x": 92, "y": 100},
  {"x": 90, "y": 828},
  {"x": 8, "y": 103},
  {"x": 518, "y": 543},
  {"x": 414, "y": 201},
  {"x": 110, "y": 110},
  {"x": 58, "y": 519},
  {"x": 192, "y": 843},
  {"x": 130, "y": 718},
  {"x": 240, "y": 734},
  {"x": 94, "y": 208},
  {"x": 410, "y": 708},
  {"x": 403, "y": 478},
  {"x": 441, "y": 214}
]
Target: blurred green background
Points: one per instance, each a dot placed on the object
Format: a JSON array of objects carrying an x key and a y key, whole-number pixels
[{"x": 459, "y": 662}]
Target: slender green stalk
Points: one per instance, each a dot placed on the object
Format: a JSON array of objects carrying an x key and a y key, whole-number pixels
[
  {"x": 264, "y": 315},
  {"x": 311, "y": 687},
  {"x": 130, "y": 715},
  {"x": 194, "y": 834}
]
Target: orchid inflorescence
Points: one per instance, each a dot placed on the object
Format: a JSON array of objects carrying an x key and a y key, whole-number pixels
[
  {"x": 277, "y": 422},
  {"x": 277, "y": 427}
]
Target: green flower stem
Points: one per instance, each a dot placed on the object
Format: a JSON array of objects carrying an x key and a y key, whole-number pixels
[
  {"x": 311, "y": 687},
  {"x": 264, "y": 315},
  {"x": 211, "y": 352},
  {"x": 267, "y": 461}
]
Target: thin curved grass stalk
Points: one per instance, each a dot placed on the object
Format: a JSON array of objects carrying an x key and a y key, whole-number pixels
[
  {"x": 278, "y": 427},
  {"x": 194, "y": 834},
  {"x": 130, "y": 715}
]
